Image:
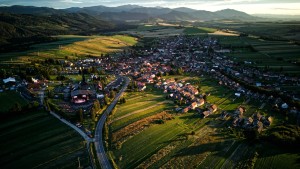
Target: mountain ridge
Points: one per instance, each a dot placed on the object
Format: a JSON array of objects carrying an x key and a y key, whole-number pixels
[{"x": 179, "y": 14}]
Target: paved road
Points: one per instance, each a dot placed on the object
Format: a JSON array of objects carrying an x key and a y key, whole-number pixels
[
  {"x": 82, "y": 133},
  {"x": 102, "y": 158}
]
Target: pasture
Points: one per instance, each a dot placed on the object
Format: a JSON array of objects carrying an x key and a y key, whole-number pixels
[
  {"x": 38, "y": 140},
  {"x": 71, "y": 47},
  {"x": 278, "y": 56},
  {"x": 155, "y": 31},
  {"x": 198, "y": 30}
]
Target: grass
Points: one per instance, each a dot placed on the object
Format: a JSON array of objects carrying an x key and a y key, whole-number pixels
[
  {"x": 8, "y": 99},
  {"x": 62, "y": 40},
  {"x": 38, "y": 140},
  {"x": 151, "y": 102},
  {"x": 157, "y": 136},
  {"x": 155, "y": 30},
  {"x": 198, "y": 30},
  {"x": 74, "y": 47},
  {"x": 163, "y": 145},
  {"x": 276, "y": 157}
]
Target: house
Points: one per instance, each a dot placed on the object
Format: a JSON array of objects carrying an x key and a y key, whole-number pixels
[
  {"x": 206, "y": 113},
  {"x": 194, "y": 105},
  {"x": 185, "y": 110},
  {"x": 213, "y": 108},
  {"x": 240, "y": 111},
  {"x": 284, "y": 106},
  {"x": 260, "y": 126},
  {"x": 9, "y": 80},
  {"x": 200, "y": 102},
  {"x": 237, "y": 94}
]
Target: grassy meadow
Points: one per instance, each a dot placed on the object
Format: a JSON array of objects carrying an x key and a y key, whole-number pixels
[
  {"x": 198, "y": 30},
  {"x": 277, "y": 55},
  {"x": 38, "y": 140},
  {"x": 156, "y": 30},
  {"x": 71, "y": 46}
]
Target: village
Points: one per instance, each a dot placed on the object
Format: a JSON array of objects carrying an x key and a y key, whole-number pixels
[{"x": 174, "y": 55}]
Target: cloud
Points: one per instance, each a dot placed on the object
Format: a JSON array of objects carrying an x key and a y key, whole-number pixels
[
  {"x": 289, "y": 9},
  {"x": 71, "y": 1}
]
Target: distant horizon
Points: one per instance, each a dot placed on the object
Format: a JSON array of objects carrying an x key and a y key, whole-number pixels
[{"x": 266, "y": 7}]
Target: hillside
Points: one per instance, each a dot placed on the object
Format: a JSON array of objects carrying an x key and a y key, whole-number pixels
[
  {"x": 177, "y": 16},
  {"x": 135, "y": 12},
  {"x": 17, "y": 9},
  {"x": 25, "y": 29}
]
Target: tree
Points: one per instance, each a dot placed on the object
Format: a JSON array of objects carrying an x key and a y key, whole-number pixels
[
  {"x": 3, "y": 73},
  {"x": 17, "y": 107},
  {"x": 93, "y": 114},
  {"x": 96, "y": 105},
  {"x": 112, "y": 94},
  {"x": 105, "y": 100},
  {"x": 80, "y": 115},
  {"x": 179, "y": 71},
  {"x": 159, "y": 74},
  {"x": 205, "y": 97}
]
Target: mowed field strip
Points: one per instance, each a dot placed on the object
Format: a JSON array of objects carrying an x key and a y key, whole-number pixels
[{"x": 141, "y": 110}]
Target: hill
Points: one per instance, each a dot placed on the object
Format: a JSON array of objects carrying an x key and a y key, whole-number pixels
[
  {"x": 17, "y": 9},
  {"x": 234, "y": 14},
  {"x": 177, "y": 16},
  {"x": 135, "y": 12},
  {"x": 17, "y": 31}
]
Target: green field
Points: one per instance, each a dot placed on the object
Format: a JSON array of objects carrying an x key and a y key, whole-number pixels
[
  {"x": 277, "y": 55},
  {"x": 73, "y": 47},
  {"x": 8, "y": 99},
  {"x": 38, "y": 140},
  {"x": 151, "y": 31},
  {"x": 275, "y": 157},
  {"x": 150, "y": 102},
  {"x": 144, "y": 149},
  {"x": 198, "y": 30},
  {"x": 35, "y": 49},
  {"x": 169, "y": 145}
]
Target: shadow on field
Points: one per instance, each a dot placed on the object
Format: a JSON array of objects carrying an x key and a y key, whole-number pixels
[
  {"x": 191, "y": 116},
  {"x": 203, "y": 148},
  {"x": 267, "y": 150}
]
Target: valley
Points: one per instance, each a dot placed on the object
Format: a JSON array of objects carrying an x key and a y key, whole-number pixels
[{"x": 143, "y": 87}]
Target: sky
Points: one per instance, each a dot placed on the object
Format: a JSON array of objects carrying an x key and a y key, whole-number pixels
[{"x": 286, "y": 7}]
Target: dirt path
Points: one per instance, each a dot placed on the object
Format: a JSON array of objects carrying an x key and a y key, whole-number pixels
[{"x": 138, "y": 111}]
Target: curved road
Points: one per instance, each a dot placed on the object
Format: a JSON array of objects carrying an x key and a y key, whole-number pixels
[{"x": 102, "y": 158}]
